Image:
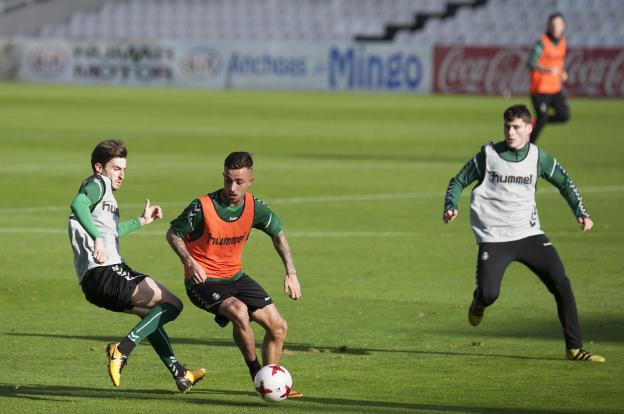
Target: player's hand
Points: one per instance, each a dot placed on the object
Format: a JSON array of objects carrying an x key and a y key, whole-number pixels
[
  {"x": 449, "y": 216},
  {"x": 564, "y": 76},
  {"x": 554, "y": 71},
  {"x": 291, "y": 286},
  {"x": 586, "y": 223},
  {"x": 150, "y": 213},
  {"x": 99, "y": 251},
  {"x": 196, "y": 271}
]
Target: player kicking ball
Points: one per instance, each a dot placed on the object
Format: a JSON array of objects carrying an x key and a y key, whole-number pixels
[
  {"x": 106, "y": 280},
  {"x": 505, "y": 221},
  {"x": 209, "y": 237}
]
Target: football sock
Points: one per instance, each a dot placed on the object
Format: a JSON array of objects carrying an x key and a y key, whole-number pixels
[
  {"x": 176, "y": 369},
  {"x": 162, "y": 345},
  {"x": 126, "y": 346},
  {"x": 254, "y": 367},
  {"x": 156, "y": 317}
]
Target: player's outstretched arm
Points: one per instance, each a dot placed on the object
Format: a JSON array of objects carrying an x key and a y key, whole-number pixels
[
  {"x": 291, "y": 282},
  {"x": 177, "y": 244}
]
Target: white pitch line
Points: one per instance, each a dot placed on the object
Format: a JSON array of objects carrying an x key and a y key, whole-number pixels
[{"x": 321, "y": 199}]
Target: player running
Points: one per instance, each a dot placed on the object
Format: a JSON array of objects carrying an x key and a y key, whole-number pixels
[
  {"x": 106, "y": 280},
  {"x": 209, "y": 237},
  {"x": 505, "y": 221},
  {"x": 547, "y": 75}
]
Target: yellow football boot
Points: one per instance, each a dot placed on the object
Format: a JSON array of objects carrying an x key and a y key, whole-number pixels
[
  {"x": 189, "y": 379},
  {"x": 116, "y": 362},
  {"x": 579, "y": 354}
]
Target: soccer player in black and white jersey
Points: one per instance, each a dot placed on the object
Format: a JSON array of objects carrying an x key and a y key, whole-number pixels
[
  {"x": 106, "y": 280},
  {"x": 506, "y": 224}
]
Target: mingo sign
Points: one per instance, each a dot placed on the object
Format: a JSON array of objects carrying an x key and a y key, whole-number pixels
[{"x": 379, "y": 68}]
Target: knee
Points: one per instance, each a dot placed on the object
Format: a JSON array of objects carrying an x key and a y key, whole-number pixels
[
  {"x": 279, "y": 329},
  {"x": 238, "y": 314},
  {"x": 561, "y": 286},
  {"x": 487, "y": 297},
  {"x": 565, "y": 116},
  {"x": 175, "y": 301}
]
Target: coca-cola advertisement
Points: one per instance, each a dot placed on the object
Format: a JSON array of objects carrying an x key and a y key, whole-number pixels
[{"x": 503, "y": 71}]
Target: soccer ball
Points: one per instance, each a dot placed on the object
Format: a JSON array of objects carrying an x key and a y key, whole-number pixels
[{"x": 273, "y": 383}]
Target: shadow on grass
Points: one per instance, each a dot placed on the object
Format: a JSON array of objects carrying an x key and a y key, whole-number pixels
[
  {"x": 299, "y": 347},
  {"x": 609, "y": 328},
  {"x": 208, "y": 398}
]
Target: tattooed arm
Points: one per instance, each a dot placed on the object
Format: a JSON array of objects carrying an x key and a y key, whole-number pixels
[
  {"x": 291, "y": 283},
  {"x": 195, "y": 271}
]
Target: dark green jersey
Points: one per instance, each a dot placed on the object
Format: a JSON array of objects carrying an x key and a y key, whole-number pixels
[
  {"x": 190, "y": 223},
  {"x": 547, "y": 168}
]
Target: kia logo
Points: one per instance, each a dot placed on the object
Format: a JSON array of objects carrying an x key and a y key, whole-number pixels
[
  {"x": 201, "y": 63},
  {"x": 48, "y": 61}
]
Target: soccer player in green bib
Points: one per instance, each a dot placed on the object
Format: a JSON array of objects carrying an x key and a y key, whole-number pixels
[
  {"x": 106, "y": 280},
  {"x": 504, "y": 219}
]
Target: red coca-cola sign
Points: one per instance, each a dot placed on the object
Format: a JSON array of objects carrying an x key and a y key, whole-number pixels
[{"x": 503, "y": 71}]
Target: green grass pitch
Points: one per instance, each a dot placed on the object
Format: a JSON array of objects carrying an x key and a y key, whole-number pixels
[{"x": 358, "y": 180}]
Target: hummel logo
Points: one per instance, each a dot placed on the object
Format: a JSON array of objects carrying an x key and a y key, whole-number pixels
[
  {"x": 485, "y": 256},
  {"x": 268, "y": 298},
  {"x": 216, "y": 296}
]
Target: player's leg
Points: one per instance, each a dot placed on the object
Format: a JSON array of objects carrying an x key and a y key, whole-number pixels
[
  {"x": 492, "y": 260},
  {"x": 261, "y": 309},
  {"x": 237, "y": 312},
  {"x": 276, "y": 328},
  {"x": 163, "y": 307},
  {"x": 265, "y": 313},
  {"x": 112, "y": 287},
  {"x": 539, "y": 255},
  {"x": 156, "y": 306},
  {"x": 184, "y": 378},
  {"x": 559, "y": 102},
  {"x": 540, "y": 104}
]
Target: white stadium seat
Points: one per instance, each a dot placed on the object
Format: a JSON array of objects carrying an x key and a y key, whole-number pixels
[{"x": 590, "y": 22}]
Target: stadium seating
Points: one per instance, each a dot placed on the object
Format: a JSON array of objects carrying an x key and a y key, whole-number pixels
[
  {"x": 508, "y": 22},
  {"x": 591, "y": 22}
]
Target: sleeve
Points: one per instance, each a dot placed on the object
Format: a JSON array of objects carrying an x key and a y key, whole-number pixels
[
  {"x": 265, "y": 219},
  {"x": 89, "y": 195},
  {"x": 129, "y": 226},
  {"x": 190, "y": 221},
  {"x": 536, "y": 52},
  {"x": 554, "y": 173},
  {"x": 472, "y": 171}
]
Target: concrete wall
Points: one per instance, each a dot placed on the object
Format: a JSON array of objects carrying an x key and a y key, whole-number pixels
[{"x": 28, "y": 21}]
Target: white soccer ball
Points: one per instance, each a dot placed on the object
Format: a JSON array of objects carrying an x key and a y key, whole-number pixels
[{"x": 273, "y": 383}]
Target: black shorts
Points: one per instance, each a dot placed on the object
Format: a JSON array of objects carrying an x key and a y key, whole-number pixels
[
  {"x": 111, "y": 287},
  {"x": 210, "y": 294}
]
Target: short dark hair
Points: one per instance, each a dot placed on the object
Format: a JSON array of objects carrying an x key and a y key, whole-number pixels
[
  {"x": 517, "y": 111},
  {"x": 554, "y": 16},
  {"x": 238, "y": 160},
  {"x": 107, "y": 150}
]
